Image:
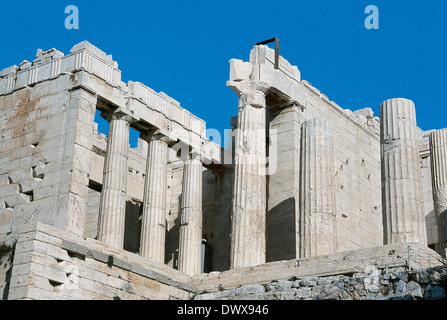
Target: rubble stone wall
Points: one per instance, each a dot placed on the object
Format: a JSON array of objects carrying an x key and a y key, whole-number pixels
[{"x": 372, "y": 284}]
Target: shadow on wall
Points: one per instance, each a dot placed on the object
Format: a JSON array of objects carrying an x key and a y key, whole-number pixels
[
  {"x": 6, "y": 262},
  {"x": 172, "y": 236},
  {"x": 432, "y": 229},
  {"x": 281, "y": 231},
  {"x": 132, "y": 227},
  {"x": 442, "y": 229}
]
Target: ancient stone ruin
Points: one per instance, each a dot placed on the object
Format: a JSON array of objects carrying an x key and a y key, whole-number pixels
[{"x": 307, "y": 201}]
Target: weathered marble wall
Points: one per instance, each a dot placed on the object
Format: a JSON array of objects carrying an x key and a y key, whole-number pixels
[
  {"x": 44, "y": 155},
  {"x": 356, "y": 175}
]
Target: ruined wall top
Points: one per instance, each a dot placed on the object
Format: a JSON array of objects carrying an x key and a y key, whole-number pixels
[
  {"x": 286, "y": 84},
  {"x": 98, "y": 73},
  {"x": 52, "y": 63}
]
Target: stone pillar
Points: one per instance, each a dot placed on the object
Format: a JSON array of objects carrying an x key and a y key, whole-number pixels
[
  {"x": 248, "y": 245},
  {"x": 76, "y": 127},
  {"x": 438, "y": 158},
  {"x": 402, "y": 201},
  {"x": 112, "y": 206},
  {"x": 318, "y": 224},
  {"x": 153, "y": 228},
  {"x": 190, "y": 243}
]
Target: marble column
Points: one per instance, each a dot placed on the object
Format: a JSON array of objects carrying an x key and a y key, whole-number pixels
[
  {"x": 248, "y": 237},
  {"x": 318, "y": 224},
  {"x": 438, "y": 158},
  {"x": 153, "y": 228},
  {"x": 402, "y": 200},
  {"x": 112, "y": 206},
  {"x": 190, "y": 242}
]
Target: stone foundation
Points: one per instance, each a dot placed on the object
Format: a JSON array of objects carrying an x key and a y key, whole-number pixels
[
  {"x": 52, "y": 264},
  {"x": 49, "y": 263},
  {"x": 371, "y": 284}
]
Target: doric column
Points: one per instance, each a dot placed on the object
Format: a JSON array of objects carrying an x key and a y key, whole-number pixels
[
  {"x": 112, "y": 206},
  {"x": 249, "y": 198},
  {"x": 153, "y": 228},
  {"x": 438, "y": 156},
  {"x": 402, "y": 201},
  {"x": 318, "y": 225},
  {"x": 190, "y": 243}
]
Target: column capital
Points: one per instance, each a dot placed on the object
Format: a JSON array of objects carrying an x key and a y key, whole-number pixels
[
  {"x": 117, "y": 114},
  {"x": 154, "y": 135},
  {"x": 194, "y": 154},
  {"x": 253, "y": 98},
  {"x": 249, "y": 92}
]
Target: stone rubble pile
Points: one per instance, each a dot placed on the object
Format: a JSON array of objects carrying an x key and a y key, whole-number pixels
[{"x": 372, "y": 284}]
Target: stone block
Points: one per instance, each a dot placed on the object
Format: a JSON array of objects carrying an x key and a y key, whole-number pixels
[
  {"x": 240, "y": 70},
  {"x": 279, "y": 286},
  {"x": 8, "y": 71},
  {"x": 434, "y": 292}
]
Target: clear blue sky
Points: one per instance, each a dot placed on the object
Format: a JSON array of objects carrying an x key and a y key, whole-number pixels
[{"x": 183, "y": 47}]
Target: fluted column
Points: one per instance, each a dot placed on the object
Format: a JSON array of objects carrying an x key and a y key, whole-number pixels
[
  {"x": 249, "y": 198},
  {"x": 153, "y": 228},
  {"x": 112, "y": 206},
  {"x": 190, "y": 243},
  {"x": 402, "y": 201},
  {"x": 438, "y": 156},
  {"x": 318, "y": 225}
]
